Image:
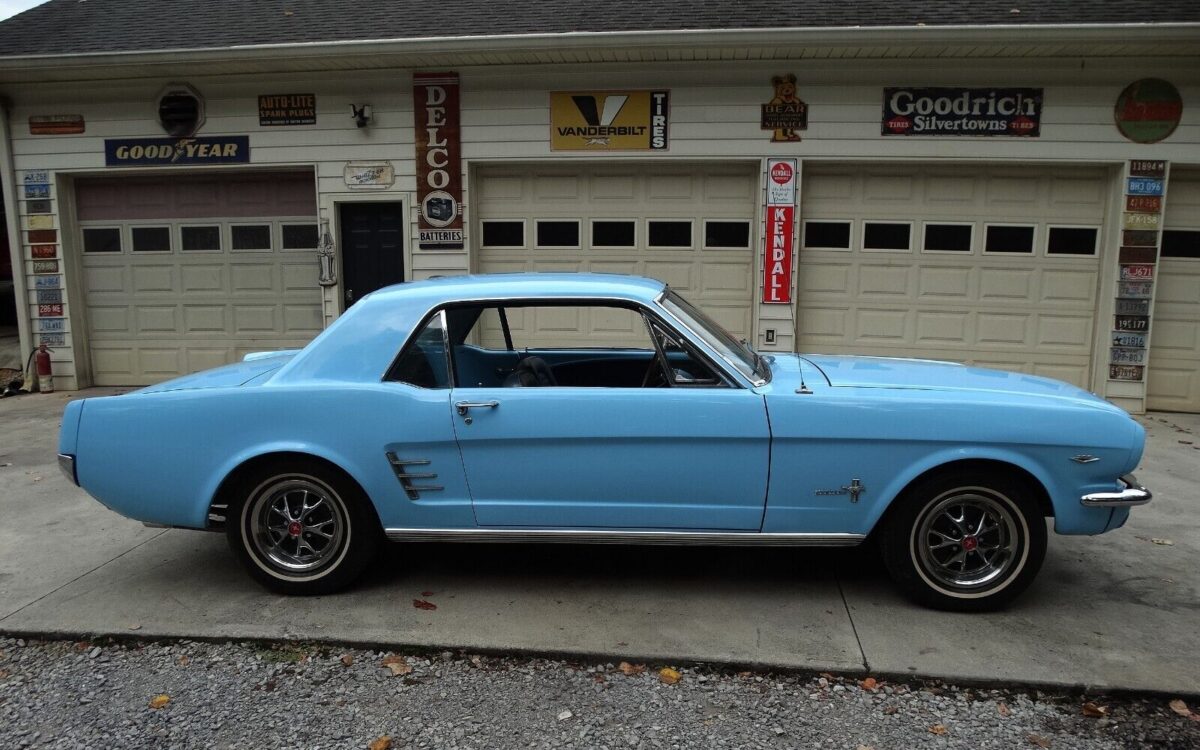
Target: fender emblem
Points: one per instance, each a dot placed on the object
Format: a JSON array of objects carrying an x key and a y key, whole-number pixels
[
  {"x": 1084, "y": 458},
  {"x": 854, "y": 490}
]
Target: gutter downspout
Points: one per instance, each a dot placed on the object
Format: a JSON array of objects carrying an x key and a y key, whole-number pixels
[{"x": 16, "y": 249}]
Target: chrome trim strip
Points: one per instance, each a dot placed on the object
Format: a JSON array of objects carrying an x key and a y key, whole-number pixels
[
  {"x": 1133, "y": 494},
  {"x": 608, "y": 536},
  {"x": 66, "y": 462},
  {"x": 1085, "y": 458}
]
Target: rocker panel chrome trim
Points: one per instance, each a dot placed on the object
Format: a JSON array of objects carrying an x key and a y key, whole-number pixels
[{"x": 605, "y": 536}]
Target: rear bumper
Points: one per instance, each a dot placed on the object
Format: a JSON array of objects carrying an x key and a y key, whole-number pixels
[{"x": 1133, "y": 494}]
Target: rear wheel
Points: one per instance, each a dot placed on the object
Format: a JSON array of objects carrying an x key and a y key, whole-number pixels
[
  {"x": 965, "y": 542},
  {"x": 302, "y": 528}
]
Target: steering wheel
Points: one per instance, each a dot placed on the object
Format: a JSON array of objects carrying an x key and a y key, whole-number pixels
[{"x": 654, "y": 369}]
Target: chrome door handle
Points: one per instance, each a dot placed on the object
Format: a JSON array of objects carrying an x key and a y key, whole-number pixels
[{"x": 465, "y": 406}]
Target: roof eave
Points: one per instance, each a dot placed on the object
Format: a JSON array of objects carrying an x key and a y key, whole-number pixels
[{"x": 828, "y": 37}]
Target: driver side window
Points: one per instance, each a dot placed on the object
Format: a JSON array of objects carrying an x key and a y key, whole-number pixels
[{"x": 568, "y": 344}]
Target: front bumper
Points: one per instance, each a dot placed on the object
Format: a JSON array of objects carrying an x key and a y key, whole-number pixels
[
  {"x": 66, "y": 462},
  {"x": 1133, "y": 494}
]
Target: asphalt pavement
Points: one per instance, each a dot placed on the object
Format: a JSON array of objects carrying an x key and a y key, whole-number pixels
[{"x": 1114, "y": 612}]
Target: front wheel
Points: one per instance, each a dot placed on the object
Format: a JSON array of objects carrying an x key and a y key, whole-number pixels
[
  {"x": 964, "y": 542},
  {"x": 301, "y": 528}
]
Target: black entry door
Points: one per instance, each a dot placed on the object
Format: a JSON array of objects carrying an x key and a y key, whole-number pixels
[{"x": 372, "y": 240}]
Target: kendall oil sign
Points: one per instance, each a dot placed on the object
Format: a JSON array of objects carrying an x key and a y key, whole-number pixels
[
  {"x": 779, "y": 230},
  {"x": 962, "y": 111}
]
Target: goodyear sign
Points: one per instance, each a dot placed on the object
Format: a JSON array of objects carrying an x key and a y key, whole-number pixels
[
  {"x": 168, "y": 152},
  {"x": 609, "y": 120}
]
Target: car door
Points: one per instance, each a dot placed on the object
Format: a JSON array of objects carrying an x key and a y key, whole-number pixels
[{"x": 668, "y": 457}]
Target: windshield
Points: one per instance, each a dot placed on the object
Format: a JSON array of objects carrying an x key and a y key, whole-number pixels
[{"x": 737, "y": 353}]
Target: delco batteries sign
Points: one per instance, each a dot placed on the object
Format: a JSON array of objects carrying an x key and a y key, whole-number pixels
[
  {"x": 962, "y": 111},
  {"x": 164, "y": 152}
]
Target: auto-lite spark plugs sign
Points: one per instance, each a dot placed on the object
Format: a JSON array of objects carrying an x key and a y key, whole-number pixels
[
  {"x": 962, "y": 111},
  {"x": 439, "y": 161},
  {"x": 780, "y": 227}
]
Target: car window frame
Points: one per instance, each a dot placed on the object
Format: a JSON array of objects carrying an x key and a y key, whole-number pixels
[{"x": 727, "y": 379}]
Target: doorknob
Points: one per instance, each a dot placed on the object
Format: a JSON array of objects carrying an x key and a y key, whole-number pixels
[
  {"x": 464, "y": 408},
  {"x": 349, "y": 296}
]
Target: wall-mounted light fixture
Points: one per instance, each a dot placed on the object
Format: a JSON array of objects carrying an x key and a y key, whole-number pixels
[{"x": 361, "y": 114}]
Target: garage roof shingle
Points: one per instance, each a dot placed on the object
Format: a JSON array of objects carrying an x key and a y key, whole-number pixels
[{"x": 61, "y": 27}]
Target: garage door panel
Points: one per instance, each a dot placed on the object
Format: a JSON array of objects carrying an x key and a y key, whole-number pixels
[
  {"x": 1174, "y": 368},
  {"x": 953, "y": 190},
  {"x": 244, "y": 277},
  {"x": 829, "y": 278},
  {"x": 627, "y": 267},
  {"x": 114, "y": 363},
  {"x": 1176, "y": 286},
  {"x": 201, "y": 358},
  {"x": 1003, "y": 330},
  {"x": 877, "y": 280},
  {"x": 160, "y": 362},
  {"x": 301, "y": 319},
  {"x": 670, "y": 187},
  {"x": 887, "y": 189},
  {"x": 1072, "y": 374},
  {"x": 106, "y": 280},
  {"x": 1176, "y": 338},
  {"x": 882, "y": 326},
  {"x": 1063, "y": 287},
  {"x": 255, "y": 319},
  {"x": 942, "y": 327},
  {"x": 157, "y": 319},
  {"x": 205, "y": 278},
  {"x": 944, "y": 283},
  {"x": 724, "y": 279},
  {"x": 619, "y": 187},
  {"x": 679, "y": 276},
  {"x": 555, "y": 188},
  {"x": 205, "y": 319},
  {"x": 153, "y": 278},
  {"x": 105, "y": 319},
  {"x": 1006, "y": 284},
  {"x": 1066, "y": 332}
]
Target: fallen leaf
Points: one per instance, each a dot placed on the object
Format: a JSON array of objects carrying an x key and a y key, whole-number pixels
[
  {"x": 422, "y": 604},
  {"x": 184, "y": 660},
  {"x": 669, "y": 676},
  {"x": 599, "y": 677},
  {"x": 1004, "y": 710},
  {"x": 37, "y": 479},
  {"x": 347, "y": 660},
  {"x": 744, "y": 675},
  {"x": 870, "y": 684},
  {"x": 827, "y": 675},
  {"x": 159, "y": 701},
  {"x": 629, "y": 670},
  {"x": 3, "y": 674},
  {"x": 1039, "y": 740},
  {"x": 564, "y": 715},
  {"x": 1094, "y": 711},
  {"x": 1165, "y": 542},
  {"x": 427, "y": 593},
  {"x": 937, "y": 729},
  {"x": 135, "y": 626},
  {"x": 1180, "y": 708},
  {"x": 889, "y": 710},
  {"x": 398, "y": 664},
  {"x": 382, "y": 743},
  {"x": 269, "y": 686}
]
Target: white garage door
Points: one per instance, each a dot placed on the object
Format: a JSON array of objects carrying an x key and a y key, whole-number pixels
[
  {"x": 1174, "y": 377},
  {"x": 186, "y": 273},
  {"x": 690, "y": 226},
  {"x": 995, "y": 266}
]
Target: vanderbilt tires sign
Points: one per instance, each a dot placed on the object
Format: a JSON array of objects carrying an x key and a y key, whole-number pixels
[{"x": 609, "y": 120}]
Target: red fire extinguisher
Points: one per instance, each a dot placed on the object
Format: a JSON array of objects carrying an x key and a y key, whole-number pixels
[{"x": 45, "y": 374}]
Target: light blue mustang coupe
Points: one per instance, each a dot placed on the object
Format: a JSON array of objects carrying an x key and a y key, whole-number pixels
[{"x": 592, "y": 408}]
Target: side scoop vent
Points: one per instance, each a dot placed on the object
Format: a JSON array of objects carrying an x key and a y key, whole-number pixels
[{"x": 406, "y": 475}]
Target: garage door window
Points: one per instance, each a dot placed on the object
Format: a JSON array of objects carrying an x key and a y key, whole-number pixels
[
  {"x": 827, "y": 235},
  {"x": 1072, "y": 241},
  {"x": 614, "y": 233},
  {"x": 726, "y": 235},
  {"x": 503, "y": 234},
  {"x": 669, "y": 234},
  {"x": 102, "y": 240},
  {"x": 300, "y": 236},
  {"x": 887, "y": 236},
  {"x": 204, "y": 239},
  {"x": 1181, "y": 243},
  {"x": 557, "y": 234},
  {"x": 948, "y": 238},
  {"x": 251, "y": 237},
  {"x": 151, "y": 239},
  {"x": 1008, "y": 238}
]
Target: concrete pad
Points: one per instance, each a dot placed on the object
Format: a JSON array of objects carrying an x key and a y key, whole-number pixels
[
  {"x": 1112, "y": 611},
  {"x": 742, "y": 606},
  {"x": 52, "y": 532}
]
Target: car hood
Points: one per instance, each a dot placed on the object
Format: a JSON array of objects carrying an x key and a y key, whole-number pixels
[
  {"x": 250, "y": 372},
  {"x": 923, "y": 374}
]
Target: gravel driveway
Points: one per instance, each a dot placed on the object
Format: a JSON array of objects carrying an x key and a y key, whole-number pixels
[{"x": 189, "y": 694}]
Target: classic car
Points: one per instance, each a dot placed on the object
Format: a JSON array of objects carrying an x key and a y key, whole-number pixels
[{"x": 591, "y": 408}]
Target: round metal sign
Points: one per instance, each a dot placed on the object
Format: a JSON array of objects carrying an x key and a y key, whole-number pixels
[{"x": 1148, "y": 110}]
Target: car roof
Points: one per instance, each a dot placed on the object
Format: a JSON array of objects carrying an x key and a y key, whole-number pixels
[{"x": 522, "y": 285}]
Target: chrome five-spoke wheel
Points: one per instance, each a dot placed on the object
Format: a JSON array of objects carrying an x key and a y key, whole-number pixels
[
  {"x": 302, "y": 527},
  {"x": 298, "y": 524},
  {"x": 963, "y": 541}
]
